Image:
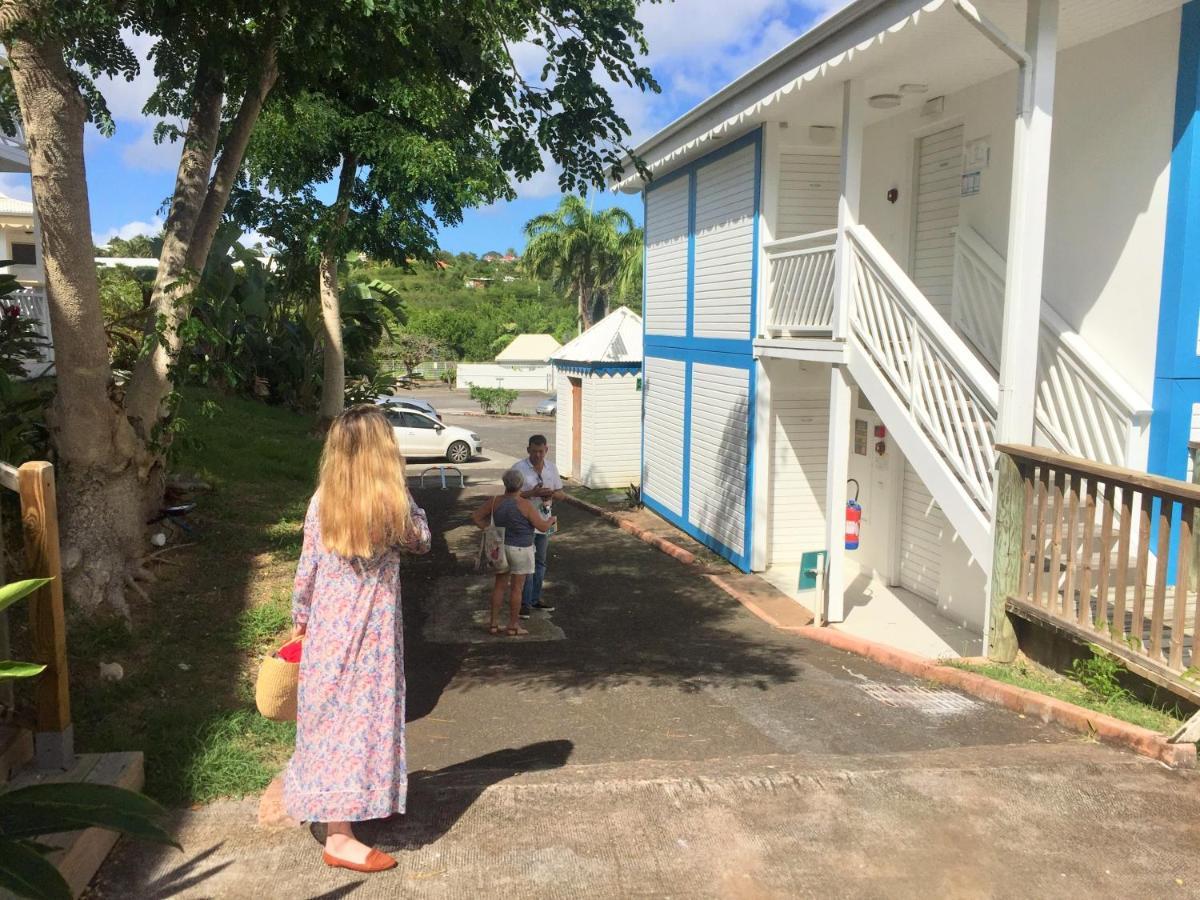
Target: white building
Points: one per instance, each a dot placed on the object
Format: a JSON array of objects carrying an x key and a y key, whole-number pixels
[
  {"x": 21, "y": 242},
  {"x": 523, "y": 365},
  {"x": 861, "y": 264},
  {"x": 598, "y": 377}
]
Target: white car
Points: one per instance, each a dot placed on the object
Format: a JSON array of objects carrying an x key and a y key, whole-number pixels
[{"x": 422, "y": 435}]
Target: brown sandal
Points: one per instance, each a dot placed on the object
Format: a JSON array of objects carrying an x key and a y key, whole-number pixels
[{"x": 517, "y": 632}]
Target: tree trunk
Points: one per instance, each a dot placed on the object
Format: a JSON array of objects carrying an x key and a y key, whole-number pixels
[
  {"x": 585, "y": 307},
  {"x": 233, "y": 151},
  {"x": 100, "y": 523},
  {"x": 333, "y": 384},
  {"x": 151, "y": 382}
]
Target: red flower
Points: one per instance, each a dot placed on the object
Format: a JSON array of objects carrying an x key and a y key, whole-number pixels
[{"x": 12, "y": 312}]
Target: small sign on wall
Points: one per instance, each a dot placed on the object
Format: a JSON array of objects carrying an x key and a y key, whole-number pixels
[
  {"x": 860, "y": 437},
  {"x": 970, "y": 183}
]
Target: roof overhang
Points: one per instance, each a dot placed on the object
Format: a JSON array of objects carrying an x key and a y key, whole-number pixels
[{"x": 885, "y": 43}]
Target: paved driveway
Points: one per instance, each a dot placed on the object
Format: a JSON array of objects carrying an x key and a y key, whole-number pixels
[{"x": 652, "y": 739}]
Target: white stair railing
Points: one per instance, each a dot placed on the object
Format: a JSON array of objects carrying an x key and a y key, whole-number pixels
[
  {"x": 801, "y": 282},
  {"x": 944, "y": 388},
  {"x": 33, "y": 306},
  {"x": 1084, "y": 407}
]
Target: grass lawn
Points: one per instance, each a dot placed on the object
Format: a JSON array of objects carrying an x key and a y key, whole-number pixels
[
  {"x": 187, "y": 698},
  {"x": 1122, "y": 706}
]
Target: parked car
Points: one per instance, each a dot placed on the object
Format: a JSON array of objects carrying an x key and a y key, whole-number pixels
[
  {"x": 409, "y": 403},
  {"x": 549, "y": 406},
  {"x": 419, "y": 434}
]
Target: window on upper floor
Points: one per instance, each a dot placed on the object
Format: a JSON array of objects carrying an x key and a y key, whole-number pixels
[{"x": 24, "y": 254}]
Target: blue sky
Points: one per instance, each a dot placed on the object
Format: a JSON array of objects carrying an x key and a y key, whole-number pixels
[{"x": 695, "y": 48}]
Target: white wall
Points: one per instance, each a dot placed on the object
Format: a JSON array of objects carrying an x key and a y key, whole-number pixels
[
  {"x": 724, "y": 246},
  {"x": 809, "y": 184},
  {"x": 526, "y": 378},
  {"x": 665, "y": 303},
  {"x": 1114, "y": 117},
  {"x": 719, "y": 452},
  {"x": 611, "y": 453},
  {"x": 799, "y": 439},
  {"x": 662, "y": 475},
  {"x": 563, "y": 422}
]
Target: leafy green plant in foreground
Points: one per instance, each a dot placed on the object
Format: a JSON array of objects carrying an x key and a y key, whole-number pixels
[{"x": 28, "y": 813}]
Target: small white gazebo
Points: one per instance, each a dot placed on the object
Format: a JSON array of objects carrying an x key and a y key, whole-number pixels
[{"x": 598, "y": 377}]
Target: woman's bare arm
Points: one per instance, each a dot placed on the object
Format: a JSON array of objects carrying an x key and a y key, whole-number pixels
[
  {"x": 482, "y": 515},
  {"x": 540, "y": 522}
]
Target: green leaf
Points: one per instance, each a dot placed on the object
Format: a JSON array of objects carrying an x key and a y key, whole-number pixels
[
  {"x": 11, "y": 593},
  {"x": 24, "y": 872},
  {"x": 49, "y": 808},
  {"x": 10, "y": 668}
]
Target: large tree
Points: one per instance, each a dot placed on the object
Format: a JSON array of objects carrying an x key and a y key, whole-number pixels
[
  {"x": 216, "y": 64},
  {"x": 592, "y": 255}
]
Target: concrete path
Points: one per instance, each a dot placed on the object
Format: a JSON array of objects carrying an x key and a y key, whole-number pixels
[{"x": 652, "y": 739}]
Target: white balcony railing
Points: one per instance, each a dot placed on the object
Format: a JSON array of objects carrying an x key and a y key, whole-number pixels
[
  {"x": 801, "y": 284},
  {"x": 33, "y": 306}
]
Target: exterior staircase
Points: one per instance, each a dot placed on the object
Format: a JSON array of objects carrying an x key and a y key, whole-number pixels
[{"x": 933, "y": 381}]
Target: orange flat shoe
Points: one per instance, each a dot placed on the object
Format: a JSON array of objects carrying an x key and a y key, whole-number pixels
[{"x": 376, "y": 862}]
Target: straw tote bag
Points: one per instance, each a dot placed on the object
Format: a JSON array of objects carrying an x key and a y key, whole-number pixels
[
  {"x": 276, "y": 689},
  {"x": 492, "y": 559}
]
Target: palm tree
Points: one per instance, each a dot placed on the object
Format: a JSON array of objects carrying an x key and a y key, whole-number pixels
[{"x": 585, "y": 253}]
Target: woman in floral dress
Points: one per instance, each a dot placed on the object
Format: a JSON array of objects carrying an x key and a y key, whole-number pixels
[{"x": 349, "y": 763}]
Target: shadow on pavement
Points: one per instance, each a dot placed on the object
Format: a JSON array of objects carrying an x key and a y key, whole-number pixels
[
  {"x": 439, "y": 798},
  {"x": 184, "y": 876}
]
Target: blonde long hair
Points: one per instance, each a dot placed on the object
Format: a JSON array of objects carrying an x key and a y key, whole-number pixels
[{"x": 364, "y": 503}]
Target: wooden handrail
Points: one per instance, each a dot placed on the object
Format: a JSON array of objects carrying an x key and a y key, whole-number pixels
[
  {"x": 1154, "y": 484},
  {"x": 1101, "y": 553},
  {"x": 9, "y": 477}
]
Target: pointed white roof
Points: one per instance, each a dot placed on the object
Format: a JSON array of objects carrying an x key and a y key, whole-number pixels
[
  {"x": 529, "y": 348},
  {"x": 617, "y": 338}
]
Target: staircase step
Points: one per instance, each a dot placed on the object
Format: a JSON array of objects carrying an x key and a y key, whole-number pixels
[{"x": 81, "y": 853}]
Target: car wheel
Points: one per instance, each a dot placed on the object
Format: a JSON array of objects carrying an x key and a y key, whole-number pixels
[{"x": 459, "y": 452}]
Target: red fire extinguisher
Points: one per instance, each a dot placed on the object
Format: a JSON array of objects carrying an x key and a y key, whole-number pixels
[{"x": 853, "y": 518}]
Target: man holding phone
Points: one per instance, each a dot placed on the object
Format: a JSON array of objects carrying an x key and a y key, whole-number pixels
[{"x": 543, "y": 486}]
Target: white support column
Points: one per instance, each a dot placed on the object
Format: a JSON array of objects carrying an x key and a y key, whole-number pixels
[
  {"x": 840, "y": 395},
  {"x": 1027, "y": 226}
]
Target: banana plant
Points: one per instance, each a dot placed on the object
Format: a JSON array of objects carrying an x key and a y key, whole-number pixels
[{"x": 27, "y": 814}]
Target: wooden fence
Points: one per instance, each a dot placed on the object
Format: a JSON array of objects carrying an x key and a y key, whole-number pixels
[
  {"x": 1103, "y": 554},
  {"x": 54, "y": 738}
]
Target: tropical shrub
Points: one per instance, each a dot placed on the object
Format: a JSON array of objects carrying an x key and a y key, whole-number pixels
[{"x": 494, "y": 401}]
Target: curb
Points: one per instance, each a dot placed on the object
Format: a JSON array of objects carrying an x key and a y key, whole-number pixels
[
  {"x": 1103, "y": 727},
  {"x": 1021, "y": 700},
  {"x": 661, "y": 544}
]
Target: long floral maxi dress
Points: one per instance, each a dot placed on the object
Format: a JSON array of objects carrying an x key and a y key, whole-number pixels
[{"x": 349, "y": 763}]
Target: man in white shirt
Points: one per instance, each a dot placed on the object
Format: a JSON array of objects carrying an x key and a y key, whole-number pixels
[{"x": 542, "y": 485}]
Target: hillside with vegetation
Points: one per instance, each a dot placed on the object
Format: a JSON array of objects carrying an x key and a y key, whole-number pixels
[{"x": 474, "y": 323}]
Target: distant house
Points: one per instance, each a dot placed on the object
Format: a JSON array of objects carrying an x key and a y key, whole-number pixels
[
  {"x": 477, "y": 283},
  {"x": 598, "y": 377},
  {"x": 528, "y": 350},
  {"x": 522, "y": 365},
  {"x": 19, "y": 243}
]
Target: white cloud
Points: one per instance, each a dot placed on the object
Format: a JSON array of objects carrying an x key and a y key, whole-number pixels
[
  {"x": 16, "y": 185},
  {"x": 144, "y": 154},
  {"x": 127, "y": 98},
  {"x": 129, "y": 230}
]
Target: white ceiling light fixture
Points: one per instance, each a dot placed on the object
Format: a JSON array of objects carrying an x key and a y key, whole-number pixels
[
  {"x": 914, "y": 88},
  {"x": 884, "y": 101}
]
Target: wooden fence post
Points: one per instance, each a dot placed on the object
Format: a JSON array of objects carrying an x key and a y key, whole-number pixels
[
  {"x": 54, "y": 739},
  {"x": 1007, "y": 553}
]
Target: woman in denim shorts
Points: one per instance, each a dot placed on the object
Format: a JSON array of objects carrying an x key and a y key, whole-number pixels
[{"x": 519, "y": 518}]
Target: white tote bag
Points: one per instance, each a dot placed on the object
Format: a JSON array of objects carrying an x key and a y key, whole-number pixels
[{"x": 492, "y": 558}]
